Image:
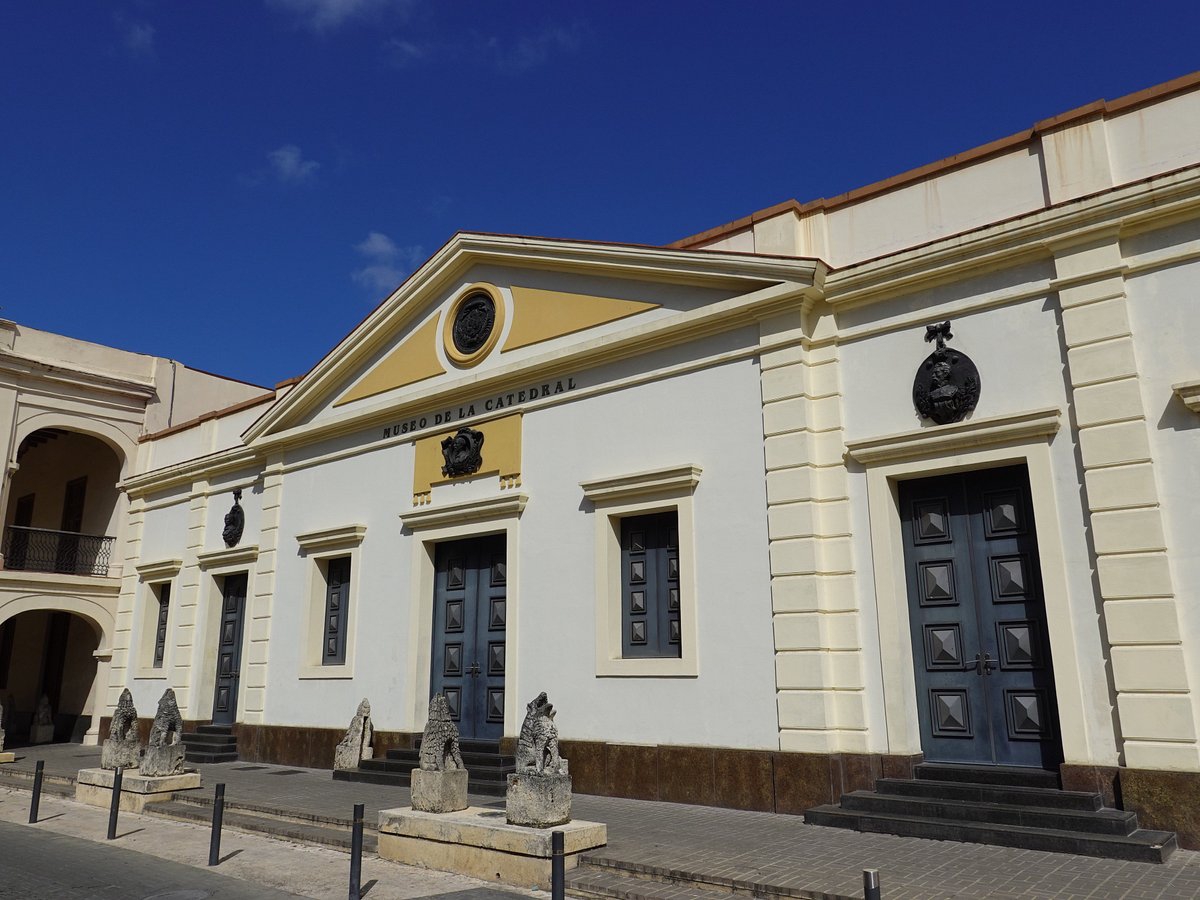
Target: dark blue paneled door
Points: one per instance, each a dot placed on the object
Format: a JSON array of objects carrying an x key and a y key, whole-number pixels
[
  {"x": 470, "y": 612},
  {"x": 229, "y": 649},
  {"x": 985, "y": 683}
]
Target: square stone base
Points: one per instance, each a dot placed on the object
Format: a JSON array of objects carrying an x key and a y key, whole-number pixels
[
  {"x": 439, "y": 792},
  {"x": 41, "y": 734},
  {"x": 94, "y": 787},
  {"x": 538, "y": 801},
  {"x": 480, "y": 843},
  {"x": 8, "y": 757}
]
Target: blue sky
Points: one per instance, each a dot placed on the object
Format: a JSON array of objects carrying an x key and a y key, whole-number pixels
[{"x": 236, "y": 184}]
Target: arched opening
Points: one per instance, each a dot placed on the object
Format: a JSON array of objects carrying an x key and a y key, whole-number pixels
[
  {"x": 63, "y": 503},
  {"x": 51, "y": 653}
]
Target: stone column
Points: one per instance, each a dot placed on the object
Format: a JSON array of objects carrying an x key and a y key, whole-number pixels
[
  {"x": 818, "y": 650},
  {"x": 122, "y": 638},
  {"x": 1155, "y": 697},
  {"x": 262, "y": 596},
  {"x": 186, "y": 600}
]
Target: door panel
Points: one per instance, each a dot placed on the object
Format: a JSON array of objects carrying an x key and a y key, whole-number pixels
[
  {"x": 229, "y": 649},
  {"x": 981, "y": 654},
  {"x": 469, "y": 621}
]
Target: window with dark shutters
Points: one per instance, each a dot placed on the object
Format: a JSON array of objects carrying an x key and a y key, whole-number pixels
[
  {"x": 650, "y": 586},
  {"x": 337, "y": 599}
]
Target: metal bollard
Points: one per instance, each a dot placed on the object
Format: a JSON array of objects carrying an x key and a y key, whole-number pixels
[
  {"x": 356, "y": 841},
  {"x": 37, "y": 792},
  {"x": 116, "y": 804},
  {"x": 558, "y": 867},
  {"x": 871, "y": 884},
  {"x": 214, "y": 843}
]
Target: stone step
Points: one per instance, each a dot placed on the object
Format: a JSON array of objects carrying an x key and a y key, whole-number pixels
[
  {"x": 483, "y": 787},
  {"x": 1100, "y": 821},
  {"x": 1009, "y": 776},
  {"x": 478, "y": 772},
  {"x": 602, "y": 875},
  {"x": 202, "y": 756},
  {"x": 1141, "y": 846},
  {"x": 215, "y": 729},
  {"x": 200, "y": 737},
  {"x": 1045, "y": 798},
  {"x": 470, "y": 745},
  {"x": 470, "y": 758},
  {"x": 237, "y": 818},
  {"x": 603, "y": 881}
]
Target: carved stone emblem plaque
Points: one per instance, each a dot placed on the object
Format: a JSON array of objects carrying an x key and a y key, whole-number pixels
[
  {"x": 946, "y": 388},
  {"x": 473, "y": 323},
  {"x": 235, "y": 521},
  {"x": 462, "y": 453}
]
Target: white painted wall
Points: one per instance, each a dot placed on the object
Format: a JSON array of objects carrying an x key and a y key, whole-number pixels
[
  {"x": 711, "y": 418},
  {"x": 1162, "y": 308},
  {"x": 1020, "y": 360}
]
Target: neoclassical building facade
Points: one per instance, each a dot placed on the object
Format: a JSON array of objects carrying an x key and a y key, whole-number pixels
[{"x": 789, "y": 505}]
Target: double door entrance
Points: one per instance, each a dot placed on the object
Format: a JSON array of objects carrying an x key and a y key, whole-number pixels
[
  {"x": 470, "y": 612},
  {"x": 229, "y": 648},
  {"x": 981, "y": 653}
]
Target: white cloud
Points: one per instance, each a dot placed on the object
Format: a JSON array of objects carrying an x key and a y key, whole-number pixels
[
  {"x": 137, "y": 36},
  {"x": 532, "y": 50},
  {"x": 387, "y": 264},
  {"x": 405, "y": 53},
  {"x": 326, "y": 15},
  {"x": 289, "y": 165}
]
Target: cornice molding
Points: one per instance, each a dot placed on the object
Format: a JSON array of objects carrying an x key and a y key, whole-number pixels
[
  {"x": 464, "y": 250},
  {"x": 939, "y": 440},
  {"x": 228, "y": 556},
  {"x": 490, "y": 509},
  {"x": 55, "y": 584},
  {"x": 160, "y": 569},
  {"x": 1024, "y": 238},
  {"x": 1189, "y": 393},
  {"x": 637, "y": 339},
  {"x": 637, "y": 485},
  {"x": 58, "y": 372},
  {"x": 191, "y": 470},
  {"x": 332, "y": 538}
]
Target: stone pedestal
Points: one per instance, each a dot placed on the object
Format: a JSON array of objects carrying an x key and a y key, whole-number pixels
[
  {"x": 480, "y": 843},
  {"x": 94, "y": 787},
  {"x": 163, "y": 761},
  {"x": 6, "y": 757},
  {"x": 439, "y": 792},
  {"x": 126, "y": 754},
  {"x": 41, "y": 734},
  {"x": 538, "y": 801}
]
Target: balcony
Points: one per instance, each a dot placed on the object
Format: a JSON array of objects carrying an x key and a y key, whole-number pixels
[{"x": 63, "y": 552}]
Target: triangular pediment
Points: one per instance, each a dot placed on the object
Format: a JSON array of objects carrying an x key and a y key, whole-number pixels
[{"x": 487, "y": 308}]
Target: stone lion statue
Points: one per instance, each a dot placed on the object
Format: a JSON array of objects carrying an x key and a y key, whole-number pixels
[
  {"x": 439, "y": 746},
  {"x": 537, "y": 747}
]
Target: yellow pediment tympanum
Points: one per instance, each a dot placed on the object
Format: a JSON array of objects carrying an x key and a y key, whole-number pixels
[
  {"x": 540, "y": 315},
  {"x": 413, "y": 359}
]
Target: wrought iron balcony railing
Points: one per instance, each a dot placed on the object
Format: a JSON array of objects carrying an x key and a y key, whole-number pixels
[{"x": 42, "y": 550}]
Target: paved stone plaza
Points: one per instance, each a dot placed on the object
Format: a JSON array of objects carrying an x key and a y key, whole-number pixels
[{"x": 752, "y": 852}]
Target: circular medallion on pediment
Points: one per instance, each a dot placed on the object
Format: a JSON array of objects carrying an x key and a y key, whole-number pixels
[{"x": 473, "y": 323}]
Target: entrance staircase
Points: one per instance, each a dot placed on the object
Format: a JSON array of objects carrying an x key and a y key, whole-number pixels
[
  {"x": 1009, "y": 807},
  {"x": 487, "y": 768},
  {"x": 210, "y": 744}
]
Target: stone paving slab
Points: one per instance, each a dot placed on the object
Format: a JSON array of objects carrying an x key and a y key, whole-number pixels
[{"x": 765, "y": 852}]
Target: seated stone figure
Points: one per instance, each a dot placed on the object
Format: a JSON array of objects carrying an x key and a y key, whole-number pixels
[
  {"x": 539, "y": 792},
  {"x": 122, "y": 747},
  {"x": 439, "y": 745},
  {"x": 439, "y": 785},
  {"x": 356, "y": 745},
  {"x": 537, "y": 747},
  {"x": 165, "y": 749}
]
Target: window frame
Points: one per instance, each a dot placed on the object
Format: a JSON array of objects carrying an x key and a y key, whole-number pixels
[
  {"x": 154, "y": 575},
  {"x": 320, "y": 548},
  {"x": 617, "y": 498}
]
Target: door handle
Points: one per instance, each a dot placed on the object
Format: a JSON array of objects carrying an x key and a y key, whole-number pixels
[
  {"x": 473, "y": 671},
  {"x": 984, "y": 663}
]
